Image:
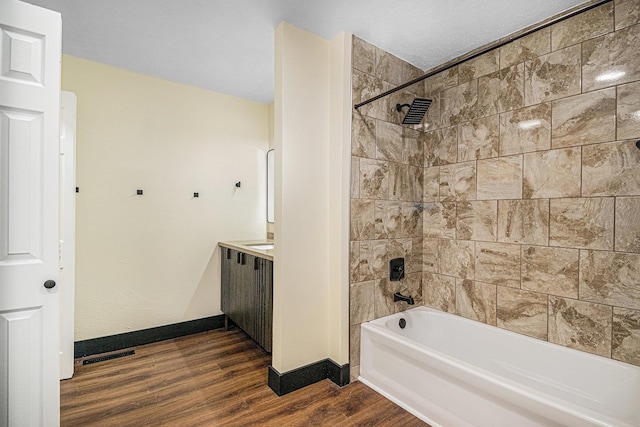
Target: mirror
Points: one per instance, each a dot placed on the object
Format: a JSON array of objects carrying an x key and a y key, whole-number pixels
[{"x": 270, "y": 186}]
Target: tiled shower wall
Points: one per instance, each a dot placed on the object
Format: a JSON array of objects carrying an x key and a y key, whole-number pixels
[{"x": 517, "y": 203}]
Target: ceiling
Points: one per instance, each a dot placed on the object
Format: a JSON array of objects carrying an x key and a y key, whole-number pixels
[{"x": 228, "y": 45}]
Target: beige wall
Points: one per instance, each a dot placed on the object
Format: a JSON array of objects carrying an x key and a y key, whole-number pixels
[
  {"x": 152, "y": 260},
  {"x": 530, "y": 186},
  {"x": 305, "y": 330}
]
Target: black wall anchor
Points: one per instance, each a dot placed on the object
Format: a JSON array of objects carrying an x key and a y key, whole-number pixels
[
  {"x": 238, "y": 184},
  {"x": 139, "y": 192}
]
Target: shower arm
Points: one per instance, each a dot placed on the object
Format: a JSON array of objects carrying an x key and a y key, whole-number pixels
[{"x": 486, "y": 49}]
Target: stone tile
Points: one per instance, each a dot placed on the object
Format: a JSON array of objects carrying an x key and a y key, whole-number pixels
[
  {"x": 457, "y": 258},
  {"x": 388, "y": 219},
  {"x": 430, "y": 261},
  {"x": 363, "y": 136},
  {"x": 552, "y": 76},
  {"x": 354, "y": 261},
  {"x": 611, "y": 169},
  {"x": 383, "y": 299},
  {"x": 458, "y": 104},
  {"x": 439, "y": 292},
  {"x": 477, "y": 220},
  {"x": 364, "y": 56},
  {"x": 611, "y": 59},
  {"x": 610, "y": 278},
  {"x": 374, "y": 179},
  {"x": 390, "y": 143},
  {"x": 411, "y": 220},
  {"x": 523, "y": 312},
  {"x": 441, "y": 81},
  {"x": 432, "y": 117},
  {"x": 550, "y": 270},
  {"x": 584, "y": 26},
  {"x": 553, "y": 173},
  {"x": 389, "y": 67},
  {"x": 585, "y": 223},
  {"x": 584, "y": 119},
  {"x": 414, "y": 189},
  {"x": 580, "y": 325},
  {"x": 431, "y": 186},
  {"x": 625, "y": 343},
  {"x": 398, "y": 181},
  {"x": 441, "y": 146},
  {"x": 373, "y": 259},
  {"x": 355, "y": 177},
  {"x": 498, "y": 263},
  {"x": 414, "y": 260},
  {"x": 627, "y": 12},
  {"x": 500, "y": 178},
  {"x": 524, "y": 130},
  {"x": 415, "y": 146},
  {"x": 526, "y": 48},
  {"x": 476, "y": 301},
  {"x": 479, "y": 66},
  {"x": 411, "y": 72},
  {"x": 366, "y": 86},
  {"x": 628, "y": 111},
  {"x": 354, "y": 345},
  {"x": 479, "y": 139},
  {"x": 361, "y": 302},
  {"x": 362, "y": 219},
  {"x": 627, "y": 231},
  {"x": 523, "y": 221},
  {"x": 458, "y": 181},
  {"x": 439, "y": 220},
  {"x": 354, "y": 372},
  {"x": 501, "y": 91},
  {"x": 398, "y": 248}
]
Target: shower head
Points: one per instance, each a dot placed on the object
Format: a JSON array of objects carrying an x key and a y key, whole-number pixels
[{"x": 416, "y": 111}]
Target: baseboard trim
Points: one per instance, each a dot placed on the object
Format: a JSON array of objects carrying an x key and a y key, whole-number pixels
[
  {"x": 298, "y": 378},
  {"x": 146, "y": 336}
]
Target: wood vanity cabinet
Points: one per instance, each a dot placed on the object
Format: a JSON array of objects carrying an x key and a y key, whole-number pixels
[{"x": 247, "y": 294}]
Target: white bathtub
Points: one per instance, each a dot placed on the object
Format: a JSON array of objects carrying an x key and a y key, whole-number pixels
[{"x": 452, "y": 371}]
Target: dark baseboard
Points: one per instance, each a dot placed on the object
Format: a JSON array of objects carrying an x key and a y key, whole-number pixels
[
  {"x": 296, "y": 379},
  {"x": 146, "y": 336}
]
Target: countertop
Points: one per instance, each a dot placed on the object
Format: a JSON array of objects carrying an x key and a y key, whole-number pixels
[{"x": 246, "y": 247}]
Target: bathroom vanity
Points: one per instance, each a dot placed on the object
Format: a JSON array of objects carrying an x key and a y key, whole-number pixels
[{"x": 247, "y": 288}]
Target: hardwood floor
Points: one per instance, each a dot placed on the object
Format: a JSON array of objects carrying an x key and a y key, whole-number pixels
[{"x": 217, "y": 378}]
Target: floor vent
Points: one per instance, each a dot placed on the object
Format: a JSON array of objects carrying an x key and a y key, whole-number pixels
[{"x": 108, "y": 357}]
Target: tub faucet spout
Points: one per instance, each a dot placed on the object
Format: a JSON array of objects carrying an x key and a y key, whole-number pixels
[{"x": 399, "y": 297}]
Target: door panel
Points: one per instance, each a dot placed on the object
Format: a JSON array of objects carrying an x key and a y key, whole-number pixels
[{"x": 29, "y": 154}]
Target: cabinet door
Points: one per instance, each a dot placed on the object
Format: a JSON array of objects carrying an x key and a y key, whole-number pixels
[{"x": 264, "y": 302}]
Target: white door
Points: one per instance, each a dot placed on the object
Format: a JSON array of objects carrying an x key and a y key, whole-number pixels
[
  {"x": 30, "y": 40},
  {"x": 66, "y": 282}
]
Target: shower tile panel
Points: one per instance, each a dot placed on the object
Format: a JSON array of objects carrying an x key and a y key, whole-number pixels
[
  {"x": 523, "y": 221},
  {"x": 611, "y": 169},
  {"x": 458, "y": 181},
  {"x": 443, "y": 80},
  {"x": 628, "y": 111},
  {"x": 525, "y": 130},
  {"x": 552, "y": 271},
  {"x": 580, "y": 325},
  {"x": 498, "y": 263},
  {"x": 439, "y": 220},
  {"x": 500, "y": 178},
  {"x": 457, "y": 258},
  {"x": 459, "y": 103},
  {"x": 476, "y": 301},
  {"x": 579, "y": 28},
  {"x": 439, "y": 291},
  {"x": 479, "y": 66},
  {"x": 430, "y": 260},
  {"x": 627, "y": 231},
  {"x": 526, "y": 48},
  {"x": 585, "y": 223},
  {"x": 363, "y": 136},
  {"x": 431, "y": 186},
  {"x": 627, "y": 12},
  {"x": 374, "y": 179},
  {"x": 610, "y": 278},
  {"x": 522, "y": 311},
  {"x": 479, "y": 139},
  {"x": 501, "y": 91},
  {"x": 364, "y": 56},
  {"x": 612, "y": 59},
  {"x": 584, "y": 119},
  {"x": 552, "y": 174},
  {"x": 441, "y": 146},
  {"x": 625, "y": 345},
  {"x": 477, "y": 220},
  {"x": 552, "y": 76},
  {"x": 362, "y": 219}
]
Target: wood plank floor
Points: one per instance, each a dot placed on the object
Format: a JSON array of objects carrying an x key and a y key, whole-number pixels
[{"x": 216, "y": 378}]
